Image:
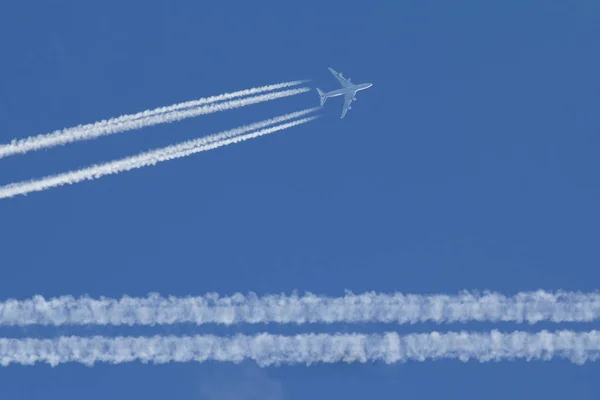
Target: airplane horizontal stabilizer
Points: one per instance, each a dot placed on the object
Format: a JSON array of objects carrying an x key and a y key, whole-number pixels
[{"x": 322, "y": 96}]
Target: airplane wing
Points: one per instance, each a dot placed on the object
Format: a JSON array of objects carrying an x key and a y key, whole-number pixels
[
  {"x": 343, "y": 81},
  {"x": 347, "y": 100}
]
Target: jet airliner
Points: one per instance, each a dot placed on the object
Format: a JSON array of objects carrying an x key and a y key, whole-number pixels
[{"x": 348, "y": 90}]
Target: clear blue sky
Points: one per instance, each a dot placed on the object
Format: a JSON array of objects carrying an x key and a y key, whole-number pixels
[{"x": 472, "y": 163}]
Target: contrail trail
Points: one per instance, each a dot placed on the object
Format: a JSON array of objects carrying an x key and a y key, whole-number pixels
[
  {"x": 205, "y": 100},
  {"x": 155, "y": 156},
  {"x": 370, "y": 307},
  {"x": 102, "y": 129},
  {"x": 274, "y": 350}
]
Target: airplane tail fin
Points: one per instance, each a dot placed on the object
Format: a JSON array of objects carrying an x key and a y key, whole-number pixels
[{"x": 322, "y": 96}]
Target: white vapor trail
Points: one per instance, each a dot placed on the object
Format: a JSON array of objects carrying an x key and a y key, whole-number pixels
[
  {"x": 370, "y": 307},
  {"x": 123, "y": 124},
  {"x": 205, "y": 100},
  {"x": 155, "y": 156},
  {"x": 273, "y": 350}
]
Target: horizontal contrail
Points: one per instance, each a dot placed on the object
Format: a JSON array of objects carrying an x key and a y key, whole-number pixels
[
  {"x": 202, "y": 101},
  {"x": 96, "y": 130},
  {"x": 273, "y": 350},
  {"x": 155, "y": 156},
  {"x": 370, "y": 307}
]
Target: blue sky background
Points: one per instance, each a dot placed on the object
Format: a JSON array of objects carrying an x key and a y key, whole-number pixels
[{"x": 470, "y": 164}]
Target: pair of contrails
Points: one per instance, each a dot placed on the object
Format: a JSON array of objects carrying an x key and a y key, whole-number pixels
[
  {"x": 176, "y": 112},
  {"x": 271, "y": 349}
]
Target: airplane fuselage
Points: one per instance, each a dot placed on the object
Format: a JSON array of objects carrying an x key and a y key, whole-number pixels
[{"x": 348, "y": 90}]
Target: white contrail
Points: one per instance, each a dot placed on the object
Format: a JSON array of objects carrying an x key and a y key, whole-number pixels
[
  {"x": 202, "y": 101},
  {"x": 370, "y": 307},
  {"x": 153, "y": 157},
  {"x": 273, "y": 350},
  {"x": 100, "y": 129}
]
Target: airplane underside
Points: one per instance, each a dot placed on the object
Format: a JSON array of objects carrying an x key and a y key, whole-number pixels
[{"x": 348, "y": 90}]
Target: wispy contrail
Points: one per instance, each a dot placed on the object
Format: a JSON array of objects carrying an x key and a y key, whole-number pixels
[
  {"x": 153, "y": 157},
  {"x": 272, "y": 350},
  {"x": 370, "y": 307},
  {"x": 202, "y": 101},
  {"x": 101, "y": 129}
]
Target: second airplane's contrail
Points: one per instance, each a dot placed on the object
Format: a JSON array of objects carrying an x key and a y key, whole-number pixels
[
  {"x": 155, "y": 156},
  {"x": 273, "y": 350},
  {"x": 370, "y": 307},
  {"x": 127, "y": 123}
]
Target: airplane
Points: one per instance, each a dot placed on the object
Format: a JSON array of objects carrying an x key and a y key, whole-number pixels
[{"x": 348, "y": 90}]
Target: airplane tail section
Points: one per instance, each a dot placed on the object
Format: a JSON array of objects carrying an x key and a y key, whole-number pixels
[{"x": 322, "y": 96}]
